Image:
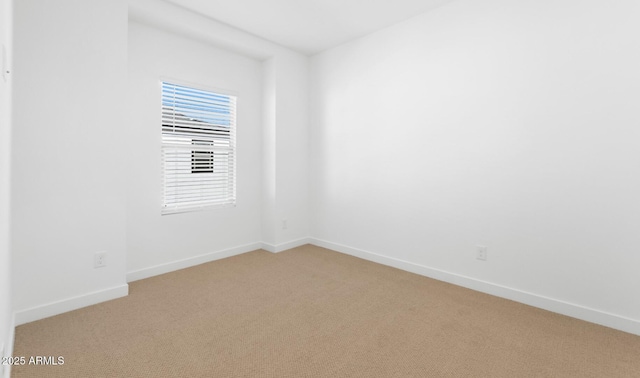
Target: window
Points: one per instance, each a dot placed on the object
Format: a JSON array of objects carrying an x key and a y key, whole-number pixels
[{"x": 198, "y": 148}]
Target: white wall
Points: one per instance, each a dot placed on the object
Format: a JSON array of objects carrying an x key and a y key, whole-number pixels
[
  {"x": 292, "y": 159},
  {"x": 67, "y": 161},
  {"x": 508, "y": 124},
  {"x": 6, "y": 311},
  {"x": 155, "y": 240},
  {"x": 284, "y": 118},
  {"x": 285, "y": 152},
  {"x": 81, "y": 182},
  {"x": 269, "y": 131}
]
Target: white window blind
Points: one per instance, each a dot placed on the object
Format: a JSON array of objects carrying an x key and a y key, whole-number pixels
[{"x": 198, "y": 148}]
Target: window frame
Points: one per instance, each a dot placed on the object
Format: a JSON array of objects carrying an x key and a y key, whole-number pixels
[{"x": 231, "y": 200}]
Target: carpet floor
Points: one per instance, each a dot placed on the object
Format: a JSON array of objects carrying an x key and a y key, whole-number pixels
[{"x": 312, "y": 312}]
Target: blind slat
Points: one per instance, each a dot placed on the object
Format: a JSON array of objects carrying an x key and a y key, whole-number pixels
[{"x": 198, "y": 148}]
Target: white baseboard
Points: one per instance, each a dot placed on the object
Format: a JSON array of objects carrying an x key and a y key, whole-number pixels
[
  {"x": 284, "y": 246},
  {"x": 70, "y": 304},
  {"x": 191, "y": 261},
  {"x": 59, "y": 307},
  {"x": 561, "y": 307}
]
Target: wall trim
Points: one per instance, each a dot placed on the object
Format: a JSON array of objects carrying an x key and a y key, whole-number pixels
[
  {"x": 84, "y": 300},
  {"x": 550, "y": 304},
  {"x": 70, "y": 304},
  {"x": 277, "y": 248},
  {"x": 565, "y": 308},
  {"x": 191, "y": 261}
]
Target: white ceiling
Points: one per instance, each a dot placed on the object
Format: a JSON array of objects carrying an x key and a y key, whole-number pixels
[{"x": 309, "y": 26}]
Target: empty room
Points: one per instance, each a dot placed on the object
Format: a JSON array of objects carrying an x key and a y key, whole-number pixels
[{"x": 320, "y": 188}]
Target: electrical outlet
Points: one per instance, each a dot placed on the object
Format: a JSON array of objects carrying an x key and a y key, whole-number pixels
[
  {"x": 481, "y": 252},
  {"x": 100, "y": 260}
]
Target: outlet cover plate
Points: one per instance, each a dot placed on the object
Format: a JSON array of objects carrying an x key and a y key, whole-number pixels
[
  {"x": 481, "y": 252},
  {"x": 100, "y": 260}
]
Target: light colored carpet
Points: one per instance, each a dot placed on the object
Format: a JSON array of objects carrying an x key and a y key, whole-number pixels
[{"x": 311, "y": 312}]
